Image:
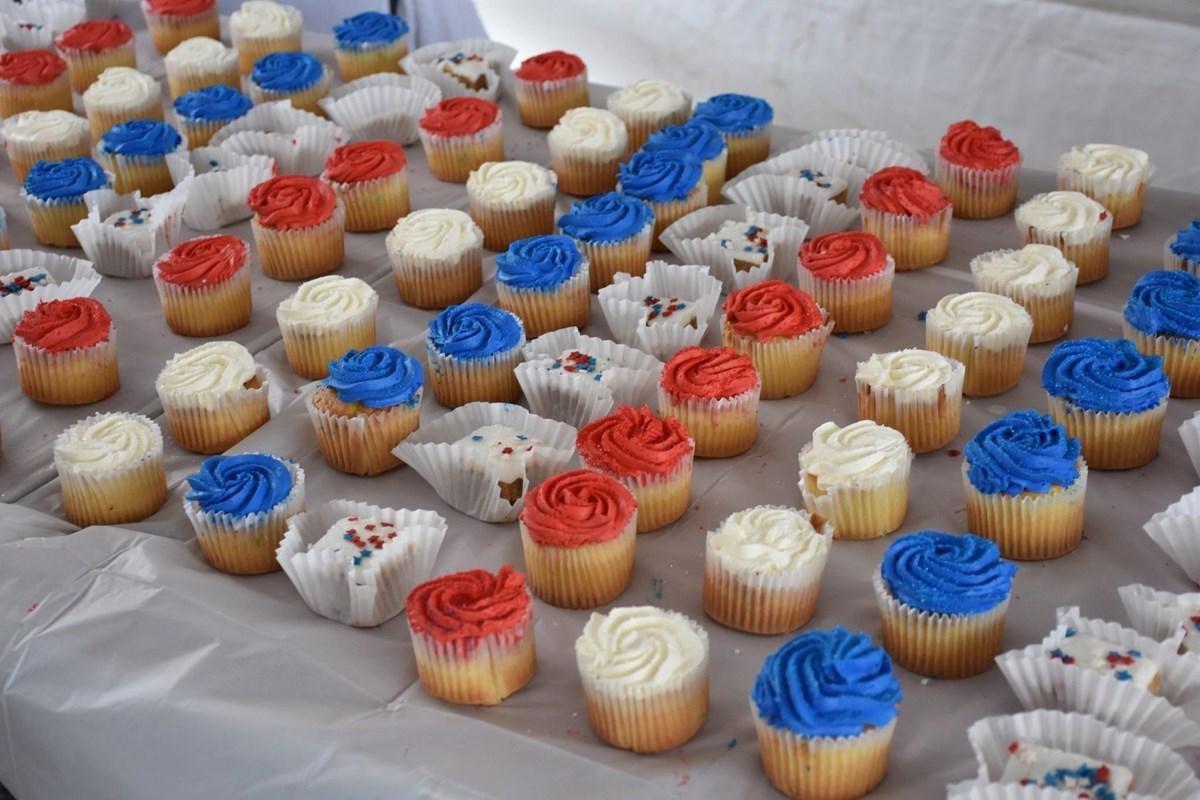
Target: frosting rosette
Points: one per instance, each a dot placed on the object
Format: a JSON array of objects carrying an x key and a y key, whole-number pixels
[
  {"x": 377, "y": 377},
  {"x": 291, "y": 202},
  {"x": 608, "y": 217},
  {"x": 1022, "y": 452},
  {"x": 1165, "y": 303},
  {"x": 64, "y": 180},
  {"x": 474, "y": 330},
  {"x": 844, "y": 256},
  {"x": 947, "y": 573},
  {"x": 555, "y": 65},
  {"x": 140, "y": 137},
  {"x": 368, "y": 29},
  {"x": 203, "y": 261},
  {"x": 30, "y": 67},
  {"x": 465, "y": 607},
  {"x": 217, "y": 103},
  {"x": 181, "y": 8},
  {"x": 641, "y": 646},
  {"x": 903, "y": 190},
  {"x": 104, "y": 442},
  {"x": 94, "y": 36},
  {"x": 634, "y": 441},
  {"x": 577, "y": 508},
  {"x": 240, "y": 485},
  {"x": 287, "y": 72},
  {"x": 1186, "y": 242},
  {"x": 968, "y": 144},
  {"x": 735, "y": 113},
  {"x": 459, "y": 116},
  {"x": 364, "y": 161},
  {"x": 659, "y": 176},
  {"x": 771, "y": 309},
  {"x": 1106, "y": 375},
  {"x": 59, "y": 325},
  {"x": 539, "y": 262},
  {"x": 207, "y": 374},
  {"x": 709, "y": 372},
  {"x": 696, "y": 137}
]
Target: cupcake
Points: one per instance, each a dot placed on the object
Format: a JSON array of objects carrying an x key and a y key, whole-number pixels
[
  {"x": 1182, "y": 250},
  {"x": 204, "y": 286},
  {"x": 120, "y": 94},
  {"x": 198, "y": 63},
  {"x": 92, "y": 46},
  {"x": 371, "y": 180},
  {"x": 299, "y": 227},
  {"x": 511, "y": 200},
  {"x": 175, "y": 21},
  {"x": 1025, "y": 483},
  {"x": 324, "y": 318},
  {"x": 745, "y": 122},
  {"x": 762, "y": 569},
  {"x": 369, "y": 42},
  {"x": 437, "y": 257},
  {"x": 671, "y": 183},
  {"x": 369, "y": 403},
  {"x": 703, "y": 142},
  {"x": 135, "y": 152},
  {"x": 651, "y": 456},
  {"x": 54, "y": 192},
  {"x": 239, "y": 507},
  {"x": 856, "y": 478},
  {"x": 1109, "y": 396},
  {"x": 647, "y": 106},
  {"x": 1112, "y": 175},
  {"x": 472, "y": 350},
  {"x": 472, "y": 635},
  {"x": 978, "y": 168},
  {"x": 987, "y": 333},
  {"x": 1162, "y": 317},
  {"x": 714, "y": 393},
  {"x": 459, "y": 135},
  {"x": 34, "y": 136},
  {"x": 782, "y": 330},
  {"x": 942, "y": 599},
  {"x": 544, "y": 281},
  {"x": 614, "y": 232},
  {"x": 1075, "y": 224},
  {"x": 917, "y": 392},
  {"x": 850, "y": 276},
  {"x": 586, "y": 146},
  {"x": 298, "y": 77},
  {"x": 261, "y": 27},
  {"x": 824, "y": 708},
  {"x": 28, "y": 277},
  {"x": 579, "y": 534},
  {"x": 203, "y": 112},
  {"x": 645, "y": 677},
  {"x": 1039, "y": 278},
  {"x": 33, "y": 80},
  {"x": 66, "y": 353},
  {"x": 213, "y": 396},
  {"x": 910, "y": 214},
  {"x": 110, "y": 467},
  {"x": 548, "y": 85}
]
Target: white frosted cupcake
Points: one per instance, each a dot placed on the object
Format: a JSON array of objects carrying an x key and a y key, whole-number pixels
[
  {"x": 120, "y": 94},
  {"x": 511, "y": 200},
  {"x": 111, "y": 469},
  {"x": 260, "y": 27},
  {"x": 1039, "y": 278},
  {"x": 1075, "y": 224},
  {"x": 586, "y": 147},
  {"x": 987, "y": 333},
  {"x": 324, "y": 318},
  {"x": 762, "y": 569},
  {"x": 33, "y": 136},
  {"x": 213, "y": 396},
  {"x": 917, "y": 392},
  {"x": 199, "y": 62},
  {"x": 645, "y": 106},
  {"x": 1110, "y": 174},
  {"x": 437, "y": 257}
]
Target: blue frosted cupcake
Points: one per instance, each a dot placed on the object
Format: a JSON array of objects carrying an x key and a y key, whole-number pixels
[
  {"x": 942, "y": 599},
  {"x": 544, "y": 281},
  {"x": 1162, "y": 318},
  {"x": 473, "y": 349},
  {"x": 135, "y": 152},
  {"x": 1183, "y": 249},
  {"x": 298, "y": 77},
  {"x": 54, "y": 192},
  {"x": 205, "y": 111},
  {"x": 1110, "y": 397},
  {"x": 614, "y": 231},
  {"x": 1025, "y": 481},
  {"x": 700, "y": 139},
  {"x": 825, "y": 708},
  {"x": 671, "y": 183},
  {"x": 745, "y": 122},
  {"x": 239, "y": 507},
  {"x": 369, "y": 42}
]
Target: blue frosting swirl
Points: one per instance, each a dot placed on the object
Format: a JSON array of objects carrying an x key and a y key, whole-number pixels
[
  {"x": 947, "y": 573},
  {"x": 1186, "y": 243},
  {"x": 660, "y": 176},
  {"x": 1105, "y": 375},
  {"x": 1165, "y": 303},
  {"x": 219, "y": 103},
  {"x": 539, "y": 262},
  {"x": 609, "y": 217},
  {"x": 64, "y": 180},
  {"x": 735, "y": 113},
  {"x": 377, "y": 377},
  {"x": 695, "y": 137},
  {"x": 240, "y": 485},
  {"x": 474, "y": 331},
  {"x": 827, "y": 683},
  {"x": 287, "y": 72},
  {"x": 140, "y": 137},
  {"x": 1022, "y": 452},
  {"x": 370, "y": 28}
]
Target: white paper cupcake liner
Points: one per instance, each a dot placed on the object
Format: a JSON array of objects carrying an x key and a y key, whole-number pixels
[
  {"x": 378, "y": 112},
  {"x": 73, "y": 277},
  {"x": 421, "y": 62},
  {"x": 299, "y": 141},
  {"x": 1120, "y": 195},
  {"x": 425, "y": 88},
  {"x": 624, "y": 309},
  {"x": 471, "y": 485},
  {"x": 1189, "y": 432},
  {"x": 217, "y": 196},
  {"x": 639, "y": 371},
  {"x": 980, "y": 789},
  {"x": 1161, "y": 615},
  {"x": 868, "y": 149},
  {"x": 1177, "y": 531},
  {"x": 686, "y": 238},
  {"x": 790, "y": 162},
  {"x": 792, "y": 197},
  {"x": 327, "y": 582}
]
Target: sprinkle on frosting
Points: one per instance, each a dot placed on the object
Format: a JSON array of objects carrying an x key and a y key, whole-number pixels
[
  {"x": 631, "y": 442},
  {"x": 292, "y": 202},
  {"x": 904, "y": 191},
  {"x": 465, "y": 607},
  {"x": 376, "y": 377},
  {"x": 61, "y": 325},
  {"x": 746, "y": 243},
  {"x": 1023, "y": 451},
  {"x": 1165, "y": 303},
  {"x": 577, "y": 508},
  {"x": 240, "y": 485},
  {"x": 1105, "y": 375},
  {"x": 357, "y": 540},
  {"x": 609, "y": 217},
  {"x": 26, "y": 280},
  {"x": 947, "y": 573},
  {"x": 543, "y": 263},
  {"x": 1078, "y": 776},
  {"x": 474, "y": 331},
  {"x": 844, "y": 256},
  {"x": 770, "y": 310},
  {"x": 711, "y": 373},
  {"x": 735, "y": 113},
  {"x": 967, "y": 144},
  {"x": 555, "y": 65}
]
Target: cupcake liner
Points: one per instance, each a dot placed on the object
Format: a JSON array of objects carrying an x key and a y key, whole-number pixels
[
  {"x": 379, "y": 112},
  {"x": 721, "y": 427},
  {"x": 873, "y": 507},
  {"x": 584, "y": 174},
  {"x": 375, "y": 204},
  {"x": 1172, "y": 261},
  {"x": 1189, "y": 432},
  {"x": 542, "y": 310},
  {"x": 624, "y": 309},
  {"x": 647, "y": 721},
  {"x": 1052, "y": 306},
  {"x": 85, "y": 66},
  {"x": 327, "y": 583},
  {"x": 588, "y": 576},
  {"x": 714, "y": 176},
  {"x": 1029, "y": 527},
  {"x": 217, "y": 196},
  {"x": 212, "y": 424},
  {"x": 453, "y": 158},
  {"x": 55, "y": 94},
  {"x": 184, "y": 78},
  {"x": 746, "y": 148},
  {"x": 169, "y": 30},
  {"x": 1112, "y": 440},
  {"x": 250, "y": 49},
  {"x": 1177, "y": 532},
  {"x": 914, "y": 242},
  {"x": 686, "y": 238},
  {"x": 71, "y": 377},
  {"x": 867, "y": 149},
  {"x": 854, "y": 305},
  {"x": 499, "y": 57},
  {"x": 309, "y": 347},
  {"x": 1161, "y": 615},
  {"x": 929, "y": 419},
  {"x": 786, "y": 366},
  {"x": 307, "y": 99},
  {"x": 667, "y": 212},
  {"x": 1087, "y": 249},
  {"x": 298, "y": 140},
  {"x": 1123, "y": 197},
  {"x": 978, "y": 193},
  {"x": 471, "y": 485},
  {"x": 128, "y": 493},
  {"x": 302, "y": 253},
  {"x": 23, "y": 155},
  {"x": 1180, "y": 358},
  {"x": 823, "y": 766},
  {"x": 981, "y": 789},
  {"x": 71, "y": 277},
  {"x": 459, "y": 381},
  {"x": 361, "y": 62},
  {"x": 661, "y": 498},
  {"x": 791, "y": 162},
  {"x": 503, "y": 223},
  {"x": 606, "y": 259},
  {"x": 792, "y": 197},
  {"x": 430, "y": 282},
  {"x": 993, "y": 361},
  {"x": 149, "y": 175},
  {"x": 490, "y": 669},
  {"x": 542, "y": 103},
  {"x": 363, "y": 444}
]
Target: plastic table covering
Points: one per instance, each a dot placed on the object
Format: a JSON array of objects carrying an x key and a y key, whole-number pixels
[{"x": 130, "y": 669}]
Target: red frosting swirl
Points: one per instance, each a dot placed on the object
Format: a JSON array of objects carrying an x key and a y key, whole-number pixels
[
  {"x": 464, "y": 607},
  {"x": 94, "y": 36},
  {"x": 290, "y": 202},
  {"x": 577, "y": 508},
  {"x": 969, "y": 145},
  {"x": 363, "y": 161},
  {"x": 708, "y": 372},
  {"x": 204, "y": 261},
  {"x": 902, "y": 190},
  {"x": 631, "y": 442},
  {"x": 459, "y": 116},
  {"x": 181, "y": 8},
  {"x": 30, "y": 67},
  {"x": 553, "y": 66},
  {"x": 58, "y": 325},
  {"x": 848, "y": 255},
  {"x": 771, "y": 308}
]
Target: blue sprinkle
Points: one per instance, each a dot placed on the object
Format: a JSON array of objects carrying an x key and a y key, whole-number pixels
[
  {"x": 1123, "y": 675},
  {"x": 1070, "y": 632},
  {"x": 1135, "y": 653},
  {"x": 922, "y": 314},
  {"x": 477, "y": 438},
  {"x": 656, "y": 586},
  {"x": 731, "y": 744},
  {"x": 841, "y": 334}
]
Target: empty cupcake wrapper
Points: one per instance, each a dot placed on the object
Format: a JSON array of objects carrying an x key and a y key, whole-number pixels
[
  {"x": 422, "y": 63},
  {"x": 69, "y": 277},
  {"x": 624, "y": 307},
  {"x": 791, "y": 162},
  {"x": 980, "y": 789},
  {"x": 1177, "y": 531},
  {"x": 690, "y": 239},
  {"x": 299, "y": 141},
  {"x": 868, "y": 149},
  {"x": 792, "y": 197},
  {"x": 218, "y": 192},
  {"x": 1161, "y": 615},
  {"x": 378, "y": 112},
  {"x": 1189, "y": 432}
]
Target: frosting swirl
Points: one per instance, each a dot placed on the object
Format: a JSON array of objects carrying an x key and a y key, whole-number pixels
[
  {"x": 1106, "y": 375},
  {"x": 240, "y": 485},
  {"x": 204, "y": 261},
  {"x": 216, "y": 103},
  {"x": 59, "y": 325},
  {"x": 844, "y": 256},
  {"x": 659, "y": 176},
  {"x": 590, "y": 129},
  {"x": 140, "y": 137},
  {"x": 30, "y": 67},
  {"x": 474, "y": 330},
  {"x": 1107, "y": 161},
  {"x": 265, "y": 18},
  {"x": 66, "y": 180},
  {"x": 902, "y": 190},
  {"x": 105, "y": 442},
  {"x": 434, "y": 233},
  {"x": 465, "y": 607},
  {"x": 377, "y": 377},
  {"x": 122, "y": 87},
  {"x": 200, "y": 51},
  {"x": 696, "y": 137},
  {"x": 947, "y": 573},
  {"x": 539, "y": 262},
  {"x": 368, "y": 29},
  {"x": 1034, "y": 265},
  {"x": 910, "y": 369},
  {"x": 771, "y": 309},
  {"x": 1165, "y": 303},
  {"x": 577, "y": 508},
  {"x": 208, "y": 374},
  {"x": 641, "y": 646},
  {"x": 735, "y": 113},
  {"x": 58, "y": 126},
  {"x": 1022, "y": 452},
  {"x": 287, "y": 71},
  {"x": 459, "y": 116},
  {"x": 1060, "y": 211},
  {"x": 510, "y": 181},
  {"x": 291, "y": 202},
  {"x": 768, "y": 539},
  {"x": 94, "y": 36},
  {"x": 969, "y": 145},
  {"x": 608, "y": 217},
  {"x": 709, "y": 372},
  {"x": 856, "y": 453},
  {"x": 631, "y": 442},
  {"x": 555, "y": 65},
  {"x": 327, "y": 300},
  {"x": 1186, "y": 242},
  {"x": 648, "y": 97},
  {"x": 181, "y": 8},
  {"x": 364, "y": 161},
  {"x": 980, "y": 314}
]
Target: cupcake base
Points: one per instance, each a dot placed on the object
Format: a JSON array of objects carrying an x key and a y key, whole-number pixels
[
  {"x": 1124, "y": 201},
  {"x": 1029, "y": 527},
  {"x": 854, "y": 306},
  {"x": 215, "y": 428},
  {"x": 207, "y": 310},
  {"x": 661, "y": 499},
  {"x": 22, "y": 157},
  {"x": 180, "y": 82},
  {"x": 503, "y": 226},
  {"x": 580, "y": 577},
  {"x": 786, "y": 367},
  {"x": 374, "y": 205},
  {"x": 354, "y": 64},
  {"x": 648, "y": 723},
  {"x": 303, "y": 99},
  {"x": 1112, "y": 441},
  {"x": 100, "y": 120},
  {"x": 86, "y": 66},
  {"x": 867, "y": 511},
  {"x": 541, "y": 311},
  {"x": 297, "y": 255},
  {"x": 606, "y": 259},
  {"x": 360, "y": 443},
  {"x": 667, "y": 212},
  {"x": 989, "y": 371},
  {"x": 456, "y": 382},
  {"x": 722, "y": 427},
  {"x": 926, "y": 425},
  {"x": 824, "y": 768},
  {"x": 542, "y": 103},
  {"x": 583, "y": 176},
  {"x": 71, "y": 377},
  {"x": 310, "y": 348},
  {"x": 432, "y": 284},
  {"x": 15, "y": 97},
  {"x": 497, "y": 667},
  {"x": 130, "y": 494},
  {"x": 169, "y": 30},
  {"x": 714, "y": 176},
  {"x": 755, "y": 602},
  {"x": 52, "y": 222},
  {"x": 453, "y": 158},
  {"x": 149, "y": 175},
  {"x": 746, "y": 150},
  {"x": 1090, "y": 256},
  {"x": 251, "y": 49},
  {"x": 912, "y": 242},
  {"x": 978, "y": 193},
  {"x": 1181, "y": 359}
]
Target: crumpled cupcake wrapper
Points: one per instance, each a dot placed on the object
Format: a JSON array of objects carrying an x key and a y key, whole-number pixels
[
  {"x": 577, "y": 400},
  {"x": 218, "y": 199},
  {"x": 378, "y": 112},
  {"x": 636, "y": 372},
  {"x": 790, "y": 162},
  {"x": 686, "y": 238},
  {"x": 1153, "y": 613},
  {"x": 792, "y": 197},
  {"x": 49, "y": 19},
  {"x": 1177, "y": 532},
  {"x": 73, "y": 277},
  {"x": 871, "y": 150},
  {"x": 624, "y": 309},
  {"x": 499, "y": 57},
  {"x": 298, "y": 140},
  {"x": 1189, "y": 432}
]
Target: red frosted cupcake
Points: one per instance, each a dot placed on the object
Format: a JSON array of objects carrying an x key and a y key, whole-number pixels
[
  {"x": 850, "y": 275},
  {"x": 548, "y": 85},
  {"x": 299, "y": 227},
  {"x": 977, "y": 168},
  {"x": 472, "y": 635},
  {"x": 910, "y": 214},
  {"x": 66, "y": 352},
  {"x": 371, "y": 178},
  {"x": 459, "y": 134},
  {"x": 33, "y": 80},
  {"x": 93, "y": 46},
  {"x": 650, "y": 456},
  {"x": 782, "y": 329},
  {"x": 173, "y": 21},
  {"x": 204, "y": 285},
  {"x": 714, "y": 392}
]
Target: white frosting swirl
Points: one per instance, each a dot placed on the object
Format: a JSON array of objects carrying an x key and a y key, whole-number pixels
[
  {"x": 434, "y": 233},
  {"x": 44, "y": 127},
  {"x": 105, "y": 442},
  {"x": 980, "y": 314},
  {"x": 1033, "y": 266},
  {"x": 649, "y": 98},
  {"x": 861, "y": 451},
  {"x": 911, "y": 369},
  {"x": 210, "y": 372},
  {"x": 641, "y": 647},
  {"x": 199, "y": 51},
  {"x": 1060, "y": 212},
  {"x": 256, "y": 18},
  {"x": 327, "y": 300},
  {"x": 510, "y": 181},
  {"x": 123, "y": 87},
  {"x": 590, "y": 129},
  {"x": 768, "y": 539},
  {"x": 1108, "y": 161}
]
